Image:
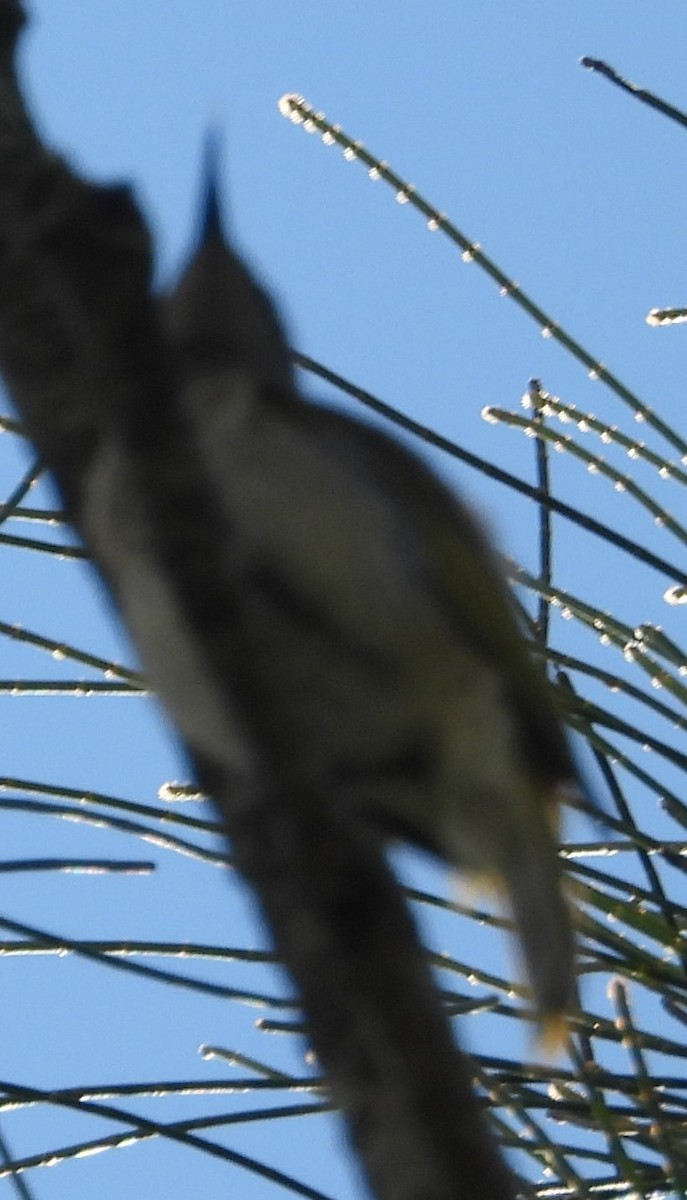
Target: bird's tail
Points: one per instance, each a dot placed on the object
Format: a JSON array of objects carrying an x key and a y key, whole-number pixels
[{"x": 543, "y": 922}]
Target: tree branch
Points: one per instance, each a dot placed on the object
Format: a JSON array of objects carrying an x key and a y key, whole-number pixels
[{"x": 84, "y": 354}]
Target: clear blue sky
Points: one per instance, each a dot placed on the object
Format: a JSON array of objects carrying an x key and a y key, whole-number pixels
[{"x": 574, "y": 189}]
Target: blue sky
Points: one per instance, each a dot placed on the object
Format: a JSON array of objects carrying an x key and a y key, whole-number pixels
[{"x": 574, "y": 189}]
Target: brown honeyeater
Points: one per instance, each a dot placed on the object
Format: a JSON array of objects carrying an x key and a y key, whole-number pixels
[{"x": 385, "y": 650}]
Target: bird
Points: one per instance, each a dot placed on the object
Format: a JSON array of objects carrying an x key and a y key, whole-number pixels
[{"x": 382, "y": 655}]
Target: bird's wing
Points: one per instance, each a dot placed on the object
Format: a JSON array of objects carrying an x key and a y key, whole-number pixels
[{"x": 430, "y": 538}]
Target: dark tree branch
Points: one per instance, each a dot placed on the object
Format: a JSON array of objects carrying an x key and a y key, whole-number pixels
[
  {"x": 374, "y": 1015},
  {"x": 82, "y": 349}
]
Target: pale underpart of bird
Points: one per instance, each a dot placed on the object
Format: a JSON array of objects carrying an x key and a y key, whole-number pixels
[{"x": 380, "y": 653}]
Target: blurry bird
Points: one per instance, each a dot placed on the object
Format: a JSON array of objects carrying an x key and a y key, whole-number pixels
[{"x": 385, "y": 655}]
